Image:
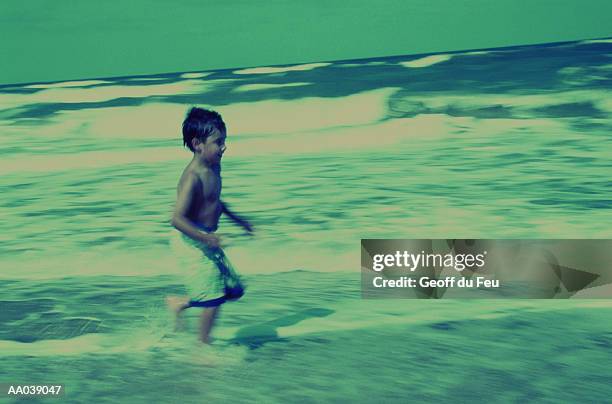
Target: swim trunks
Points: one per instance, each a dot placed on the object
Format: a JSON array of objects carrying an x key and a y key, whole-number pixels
[{"x": 208, "y": 274}]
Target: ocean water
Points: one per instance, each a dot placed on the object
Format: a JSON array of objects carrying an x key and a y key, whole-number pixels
[{"x": 502, "y": 143}]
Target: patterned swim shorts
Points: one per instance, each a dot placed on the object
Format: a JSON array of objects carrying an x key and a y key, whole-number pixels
[{"x": 208, "y": 274}]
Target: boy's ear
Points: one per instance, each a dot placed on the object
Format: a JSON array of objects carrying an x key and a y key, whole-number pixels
[{"x": 195, "y": 143}]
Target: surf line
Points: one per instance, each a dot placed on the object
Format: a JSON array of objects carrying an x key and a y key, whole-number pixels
[{"x": 426, "y": 282}]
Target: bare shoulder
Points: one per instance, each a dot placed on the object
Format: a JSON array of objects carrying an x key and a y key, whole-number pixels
[
  {"x": 189, "y": 179},
  {"x": 198, "y": 181},
  {"x": 188, "y": 191}
]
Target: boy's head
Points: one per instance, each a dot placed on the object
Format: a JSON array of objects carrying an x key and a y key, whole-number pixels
[{"x": 199, "y": 124}]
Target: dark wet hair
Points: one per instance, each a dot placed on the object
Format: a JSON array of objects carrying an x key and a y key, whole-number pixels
[{"x": 200, "y": 123}]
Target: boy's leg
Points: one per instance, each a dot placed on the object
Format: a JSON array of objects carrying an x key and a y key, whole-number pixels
[
  {"x": 208, "y": 320},
  {"x": 177, "y": 304}
]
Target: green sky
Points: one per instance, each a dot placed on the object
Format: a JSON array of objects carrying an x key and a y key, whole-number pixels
[{"x": 42, "y": 40}]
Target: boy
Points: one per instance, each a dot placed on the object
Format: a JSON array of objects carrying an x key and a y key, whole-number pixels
[{"x": 196, "y": 216}]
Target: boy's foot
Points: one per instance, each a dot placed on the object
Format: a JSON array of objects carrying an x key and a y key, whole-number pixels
[
  {"x": 176, "y": 304},
  {"x": 207, "y": 340}
]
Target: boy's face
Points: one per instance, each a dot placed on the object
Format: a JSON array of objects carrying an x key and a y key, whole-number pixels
[{"x": 211, "y": 150}]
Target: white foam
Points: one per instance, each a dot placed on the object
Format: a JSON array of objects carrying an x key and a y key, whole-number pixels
[
  {"x": 148, "y": 78},
  {"x": 267, "y": 86},
  {"x": 606, "y": 40},
  {"x": 579, "y": 75},
  {"x": 93, "y": 343},
  {"x": 105, "y": 93},
  {"x": 349, "y": 138},
  {"x": 284, "y": 69},
  {"x": 342, "y": 127},
  {"x": 162, "y": 120},
  {"x": 150, "y": 121},
  {"x": 67, "y": 84},
  {"x": 73, "y": 346},
  {"x": 88, "y": 160},
  {"x": 306, "y": 114},
  {"x": 426, "y": 61},
  {"x": 308, "y": 125},
  {"x": 194, "y": 75},
  {"x": 252, "y": 256},
  {"x": 474, "y": 53},
  {"x": 46, "y": 266},
  {"x": 375, "y": 63},
  {"x": 521, "y": 104},
  {"x": 605, "y": 68}
]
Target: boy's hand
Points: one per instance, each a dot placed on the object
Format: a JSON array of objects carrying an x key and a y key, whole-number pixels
[
  {"x": 245, "y": 225},
  {"x": 211, "y": 240},
  {"x": 237, "y": 219},
  {"x": 248, "y": 227}
]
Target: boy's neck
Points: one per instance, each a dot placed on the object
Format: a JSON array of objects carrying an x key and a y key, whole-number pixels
[{"x": 202, "y": 163}]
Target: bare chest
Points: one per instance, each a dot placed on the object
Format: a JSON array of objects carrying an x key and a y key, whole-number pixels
[{"x": 211, "y": 188}]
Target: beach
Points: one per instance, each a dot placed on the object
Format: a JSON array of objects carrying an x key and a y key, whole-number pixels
[{"x": 497, "y": 143}]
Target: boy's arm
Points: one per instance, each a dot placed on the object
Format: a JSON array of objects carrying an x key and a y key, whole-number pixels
[
  {"x": 180, "y": 220},
  {"x": 237, "y": 219}
]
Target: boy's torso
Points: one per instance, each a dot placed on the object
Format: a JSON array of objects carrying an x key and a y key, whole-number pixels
[{"x": 205, "y": 208}]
